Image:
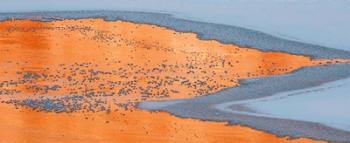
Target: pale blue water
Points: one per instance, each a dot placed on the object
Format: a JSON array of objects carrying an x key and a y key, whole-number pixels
[{"x": 328, "y": 104}]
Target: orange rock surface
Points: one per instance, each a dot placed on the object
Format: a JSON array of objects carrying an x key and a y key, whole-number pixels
[{"x": 110, "y": 64}]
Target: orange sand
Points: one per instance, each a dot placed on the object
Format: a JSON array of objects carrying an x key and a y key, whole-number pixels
[
  {"x": 26, "y": 126},
  {"x": 123, "y": 62},
  {"x": 139, "y": 60}
]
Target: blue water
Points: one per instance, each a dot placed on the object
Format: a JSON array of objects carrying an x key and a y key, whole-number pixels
[{"x": 328, "y": 104}]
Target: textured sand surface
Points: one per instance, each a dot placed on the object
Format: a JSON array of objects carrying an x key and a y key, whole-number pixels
[{"x": 78, "y": 81}]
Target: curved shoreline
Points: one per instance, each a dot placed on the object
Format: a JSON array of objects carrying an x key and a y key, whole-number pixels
[
  {"x": 311, "y": 96},
  {"x": 205, "y": 107},
  {"x": 201, "y": 107}
]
